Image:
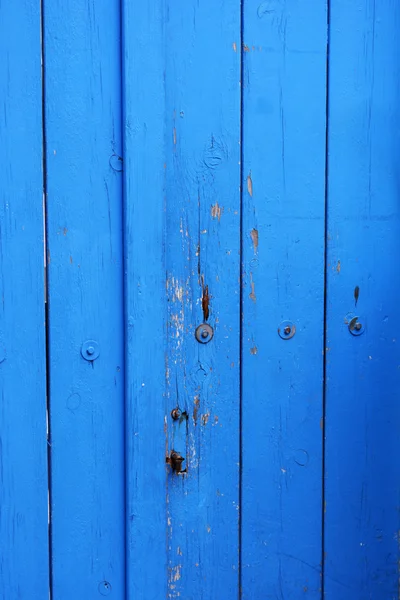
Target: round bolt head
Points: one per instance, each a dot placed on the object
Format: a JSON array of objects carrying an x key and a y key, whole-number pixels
[
  {"x": 204, "y": 333},
  {"x": 286, "y": 330},
  {"x": 176, "y": 414},
  {"x": 355, "y": 326},
  {"x": 90, "y": 350}
]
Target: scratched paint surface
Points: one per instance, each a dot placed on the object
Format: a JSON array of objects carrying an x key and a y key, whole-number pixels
[
  {"x": 197, "y": 176},
  {"x": 363, "y": 374},
  {"x": 23, "y": 447},
  {"x": 84, "y": 232},
  {"x": 251, "y": 176},
  {"x": 202, "y": 286},
  {"x": 284, "y": 123}
]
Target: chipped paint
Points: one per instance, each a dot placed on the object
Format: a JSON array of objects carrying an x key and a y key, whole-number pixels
[
  {"x": 252, "y": 293},
  {"x": 254, "y": 237},
  {"x": 216, "y": 211},
  {"x": 253, "y": 350},
  {"x": 204, "y": 418},
  {"x": 249, "y": 184}
]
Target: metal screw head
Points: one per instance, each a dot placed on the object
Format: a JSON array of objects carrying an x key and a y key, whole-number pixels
[
  {"x": 204, "y": 333},
  {"x": 90, "y": 350},
  {"x": 176, "y": 414},
  {"x": 286, "y": 330},
  {"x": 355, "y": 326}
]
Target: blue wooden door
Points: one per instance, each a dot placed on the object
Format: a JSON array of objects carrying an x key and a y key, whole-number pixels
[{"x": 199, "y": 364}]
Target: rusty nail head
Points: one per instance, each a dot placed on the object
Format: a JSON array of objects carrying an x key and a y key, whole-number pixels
[
  {"x": 176, "y": 414},
  {"x": 286, "y": 330}
]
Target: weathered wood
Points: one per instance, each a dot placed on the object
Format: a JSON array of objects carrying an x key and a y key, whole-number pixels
[
  {"x": 284, "y": 123},
  {"x": 84, "y": 200},
  {"x": 144, "y": 45},
  {"x": 363, "y": 384},
  {"x": 24, "y": 560},
  {"x": 183, "y": 134}
]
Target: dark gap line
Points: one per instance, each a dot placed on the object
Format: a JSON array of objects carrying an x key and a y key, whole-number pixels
[
  {"x": 124, "y": 299},
  {"x": 46, "y": 295},
  {"x": 241, "y": 305},
  {"x": 325, "y": 332}
]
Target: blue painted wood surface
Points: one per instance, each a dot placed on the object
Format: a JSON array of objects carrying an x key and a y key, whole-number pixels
[
  {"x": 144, "y": 235},
  {"x": 182, "y": 71},
  {"x": 202, "y": 165},
  {"x": 85, "y": 263},
  {"x": 23, "y": 447},
  {"x": 363, "y": 385},
  {"x": 284, "y": 124}
]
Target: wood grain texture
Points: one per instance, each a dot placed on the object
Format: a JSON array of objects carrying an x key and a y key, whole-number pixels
[
  {"x": 203, "y": 269},
  {"x": 84, "y": 230},
  {"x": 23, "y": 437},
  {"x": 182, "y": 195},
  {"x": 363, "y": 375},
  {"x": 284, "y": 124},
  {"x": 144, "y": 227}
]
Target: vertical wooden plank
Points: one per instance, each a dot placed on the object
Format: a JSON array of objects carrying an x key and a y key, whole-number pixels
[
  {"x": 23, "y": 445},
  {"x": 203, "y": 271},
  {"x": 144, "y": 229},
  {"x": 84, "y": 201},
  {"x": 284, "y": 118},
  {"x": 182, "y": 157},
  {"x": 363, "y": 385}
]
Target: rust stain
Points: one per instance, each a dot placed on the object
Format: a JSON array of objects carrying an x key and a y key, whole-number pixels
[
  {"x": 234, "y": 46},
  {"x": 205, "y": 300},
  {"x": 252, "y": 293},
  {"x": 253, "y": 350},
  {"x": 246, "y": 48},
  {"x": 216, "y": 211},
  {"x": 356, "y": 293},
  {"x": 321, "y": 423},
  {"x": 65, "y": 231},
  {"x": 70, "y": 259},
  {"x": 338, "y": 267},
  {"x": 174, "y": 136},
  {"x": 250, "y": 184},
  {"x": 254, "y": 237},
  {"x": 196, "y": 409}
]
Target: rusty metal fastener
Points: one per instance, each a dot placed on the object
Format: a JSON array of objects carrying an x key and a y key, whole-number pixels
[
  {"x": 176, "y": 414},
  {"x": 286, "y": 330},
  {"x": 175, "y": 460}
]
